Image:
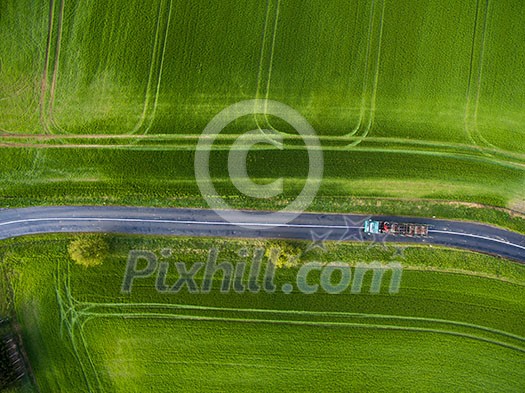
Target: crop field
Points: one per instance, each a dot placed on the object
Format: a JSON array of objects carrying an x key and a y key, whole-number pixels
[
  {"x": 351, "y": 184},
  {"x": 453, "y": 74},
  {"x": 411, "y": 100},
  {"x": 460, "y": 329},
  {"x": 418, "y": 106}
]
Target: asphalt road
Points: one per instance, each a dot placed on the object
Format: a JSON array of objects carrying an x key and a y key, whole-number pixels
[{"x": 195, "y": 222}]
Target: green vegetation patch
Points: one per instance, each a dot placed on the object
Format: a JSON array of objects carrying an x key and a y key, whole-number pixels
[
  {"x": 453, "y": 73},
  {"x": 429, "y": 95},
  {"x": 456, "y": 320},
  {"x": 403, "y": 182}
]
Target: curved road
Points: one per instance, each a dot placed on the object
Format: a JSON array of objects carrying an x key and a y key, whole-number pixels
[{"x": 195, "y": 222}]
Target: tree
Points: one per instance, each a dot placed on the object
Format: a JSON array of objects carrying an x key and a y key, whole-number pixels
[{"x": 89, "y": 249}]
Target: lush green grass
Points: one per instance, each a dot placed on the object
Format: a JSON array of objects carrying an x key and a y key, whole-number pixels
[
  {"x": 24, "y": 27},
  {"x": 435, "y": 89},
  {"x": 166, "y": 178},
  {"x": 239, "y": 357},
  {"x": 452, "y": 74},
  {"x": 459, "y": 330},
  {"x": 437, "y": 98}
]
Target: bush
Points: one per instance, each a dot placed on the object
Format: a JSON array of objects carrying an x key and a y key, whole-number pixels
[
  {"x": 89, "y": 249},
  {"x": 289, "y": 252}
]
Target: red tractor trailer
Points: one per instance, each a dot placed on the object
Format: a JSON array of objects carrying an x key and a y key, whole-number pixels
[{"x": 395, "y": 228}]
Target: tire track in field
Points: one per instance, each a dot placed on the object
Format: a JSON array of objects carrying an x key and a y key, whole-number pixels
[
  {"x": 468, "y": 148},
  {"x": 48, "y": 90},
  {"x": 355, "y": 33},
  {"x": 304, "y": 323},
  {"x": 150, "y": 76},
  {"x": 262, "y": 61},
  {"x": 54, "y": 77},
  {"x": 108, "y": 38},
  {"x": 272, "y": 52},
  {"x": 371, "y": 68},
  {"x": 161, "y": 67},
  {"x": 72, "y": 339},
  {"x": 486, "y": 158},
  {"x": 362, "y": 109},
  {"x": 475, "y": 75},
  {"x": 187, "y": 363},
  {"x": 86, "y": 309},
  {"x": 456, "y": 150},
  {"x": 43, "y": 86},
  {"x": 92, "y": 305},
  {"x": 156, "y": 69},
  {"x": 370, "y": 86},
  {"x": 8, "y": 134},
  {"x": 69, "y": 318},
  {"x": 263, "y": 49}
]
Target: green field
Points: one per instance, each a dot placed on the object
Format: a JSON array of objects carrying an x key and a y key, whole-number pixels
[
  {"x": 166, "y": 178},
  {"x": 411, "y": 99},
  {"x": 462, "y": 330},
  {"x": 453, "y": 74},
  {"x": 418, "y": 105}
]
